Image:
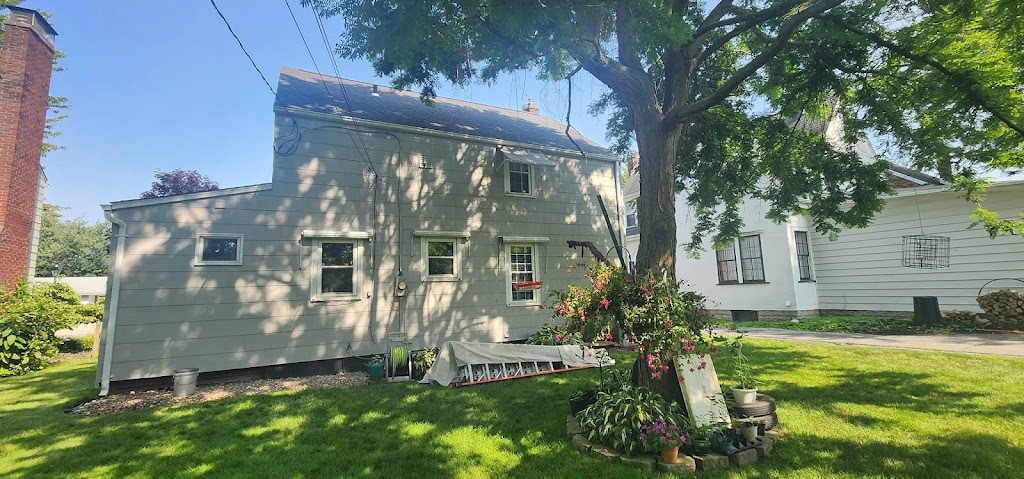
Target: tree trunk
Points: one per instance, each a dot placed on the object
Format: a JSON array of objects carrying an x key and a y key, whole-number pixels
[
  {"x": 657, "y": 145},
  {"x": 667, "y": 384}
]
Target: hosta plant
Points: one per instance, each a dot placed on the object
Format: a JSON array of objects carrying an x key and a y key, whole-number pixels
[{"x": 617, "y": 419}]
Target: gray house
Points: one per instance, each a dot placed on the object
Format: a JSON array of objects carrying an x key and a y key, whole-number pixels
[{"x": 383, "y": 215}]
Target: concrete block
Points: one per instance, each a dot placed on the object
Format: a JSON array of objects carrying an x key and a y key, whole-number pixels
[
  {"x": 605, "y": 452},
  {"x": 744, "y": 458},
  {"x": 572, "y": 425},
  {"x": 765, "y": 448},
  {"x": 580, "y": 443},
  {"x": 643, "y": 461},
  {"x": 684, "y": 465},
  {"x": 712, "y": 462}
]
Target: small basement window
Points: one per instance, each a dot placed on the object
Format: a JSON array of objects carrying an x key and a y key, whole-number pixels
[
  {"x": 218, "y": 249},
  {"x": 739, "y": 315}
]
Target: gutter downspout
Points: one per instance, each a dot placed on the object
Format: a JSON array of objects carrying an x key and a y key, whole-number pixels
[
  {"x": 112, "y": 302},
  {"x": 620, "y": 213}
]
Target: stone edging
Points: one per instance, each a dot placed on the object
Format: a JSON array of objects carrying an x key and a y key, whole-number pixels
[{"x": 710, "y": 462}]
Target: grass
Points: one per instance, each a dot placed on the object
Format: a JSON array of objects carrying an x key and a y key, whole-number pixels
[
  {"x": 847, "y": 412},
  {"x": 850, "y": 324},
  {"x": 76, "y": 345}
]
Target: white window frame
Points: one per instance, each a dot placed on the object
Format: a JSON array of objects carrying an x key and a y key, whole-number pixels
[
  {"x": 631, "y": 212},
  {"x": 358, "y": 241},
  {"x": 456, "y": 258},
  {"x": 534, "y": 252},
  {"x": 531, "y": 177},
  {"x": 201, "y": 239}
]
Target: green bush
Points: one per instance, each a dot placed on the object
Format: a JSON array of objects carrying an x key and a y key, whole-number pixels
[
  {"x": 423, "y": 359},
  {"x": 29, "y": 320},
  {"x": 554, "y": 335},
  {"x": 617, "y": 419}
]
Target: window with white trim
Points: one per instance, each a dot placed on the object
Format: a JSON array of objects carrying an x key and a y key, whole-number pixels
[
  {"x": 632, "y": 219},
  {"x": 519, "y": 178},
  {"x": 218, "y": 249},
  {"x": 751, "y": 259},
  {"x": 442, "y": 258},
  {"x": 726, "y": 257},
  {"x": 337, "y": 268},
  {"x": 521, "y": 267},
  {"x": 803, "y": 255}
]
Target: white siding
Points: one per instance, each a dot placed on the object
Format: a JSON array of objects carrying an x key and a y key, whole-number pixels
[
  {"x": 173, "y": 314},
  {"x": 862, "y": 271}
]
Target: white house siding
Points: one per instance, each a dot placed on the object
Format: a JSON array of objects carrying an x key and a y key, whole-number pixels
[
  {"x": 782, "y": 296},
  {"x": 174, "y": 315},
  {"x": 861, "y": 271}
]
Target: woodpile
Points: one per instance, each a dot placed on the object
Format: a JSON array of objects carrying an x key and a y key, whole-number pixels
[
  {"x": 1005, "y": 309},
  {"x": 966, "y": 318}
]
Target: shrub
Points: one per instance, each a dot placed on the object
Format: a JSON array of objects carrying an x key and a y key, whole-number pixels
[
  {"x": 554, "y": 335},
  {"x": 423, "y": 359},
  {"x": 617, "y": 419},
  {"x": 29, "y": 320}
]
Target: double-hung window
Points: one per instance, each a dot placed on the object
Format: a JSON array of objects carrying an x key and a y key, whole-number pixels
[
  {"x": 218, "y": 249},
  {"x": 726, "y": 257},
  {"x": 522, "y": 268},
  {"x": 632, "y": 219},
  {"x": 442, "y": 254},
  {"x": 520, "y": 178},
  {"x": 751, "y": 260},
  {"x": 803, "y": 255},
  {"x": 337, "y": 265}
]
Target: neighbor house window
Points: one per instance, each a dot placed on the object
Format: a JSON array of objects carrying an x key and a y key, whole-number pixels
[
  {"x": 632, "y": 220},
  {"x": 727, "y": 264},
  {"x": 520, "y": 178},
  {"x": 442, "y": 256},
  {"x": 219, "y": 249},
  {"x": 337, "y": 269},
  {"x": 521, "y": 267},
  {"x": 751, "y": 260},
  {"x": 803, "y": 255}
]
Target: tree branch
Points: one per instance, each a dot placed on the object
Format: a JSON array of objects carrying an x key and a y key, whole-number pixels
[
  {"x": 970, "y": 86},
  {"x": 628, "y": 55},
  {"x": 786, "y": 30}
]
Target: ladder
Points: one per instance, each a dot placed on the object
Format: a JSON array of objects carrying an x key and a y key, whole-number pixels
[{"x": 471, "y": 374}]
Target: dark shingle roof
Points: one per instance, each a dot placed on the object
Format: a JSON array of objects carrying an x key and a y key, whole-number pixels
[
  {"x": 300, "y": 90},
  {"x": 632, "y": 187}
]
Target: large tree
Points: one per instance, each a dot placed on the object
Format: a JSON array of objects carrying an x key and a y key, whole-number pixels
[
  {"x": 179, "y": 182},
  {"x": 79, "y": 248},
  {"x": 722, "y": 98}
]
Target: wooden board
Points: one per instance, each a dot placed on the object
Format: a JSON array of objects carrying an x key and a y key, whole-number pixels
[{"x": 705, "y": 403}]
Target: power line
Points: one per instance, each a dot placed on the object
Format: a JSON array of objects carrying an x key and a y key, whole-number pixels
[{"x": 212, "y": 2}]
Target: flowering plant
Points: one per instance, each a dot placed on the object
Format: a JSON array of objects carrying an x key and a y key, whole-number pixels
[
  {"x": 660, "y": 435},
  {"x": 645, "y": 309}
]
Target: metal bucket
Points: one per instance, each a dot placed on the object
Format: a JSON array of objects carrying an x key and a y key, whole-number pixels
[{"x": 185, "y": 381}]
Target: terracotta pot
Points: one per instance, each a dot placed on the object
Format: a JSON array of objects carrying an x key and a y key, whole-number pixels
[{"x": 670, "y": 456}]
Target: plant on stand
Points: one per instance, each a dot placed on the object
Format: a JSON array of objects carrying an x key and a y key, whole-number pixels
[
  {"x": 665, "y": 438},
  {"x": 745, "y": 390},
  {"x": 746, "y": 429}
]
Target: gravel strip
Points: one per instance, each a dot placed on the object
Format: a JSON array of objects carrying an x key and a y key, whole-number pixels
[{"x": 132, "y": 400}]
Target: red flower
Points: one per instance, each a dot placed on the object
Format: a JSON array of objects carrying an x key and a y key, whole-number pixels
[{"x": 604, "y": 302}]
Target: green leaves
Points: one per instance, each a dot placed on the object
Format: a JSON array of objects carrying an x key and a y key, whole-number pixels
[
  {"x": 616, "y": 418},
  {"x": 29, "y": 319}
]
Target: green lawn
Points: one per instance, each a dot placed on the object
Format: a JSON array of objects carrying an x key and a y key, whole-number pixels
[
  {"x": 850, "y": 324},
  {"x": 847, "y": 412}
]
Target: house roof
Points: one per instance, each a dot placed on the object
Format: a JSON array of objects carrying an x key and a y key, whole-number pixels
[
  {"x": 903, "y": 177},
  {"x": 632, "y": 189},
  {"x": 303, "y": 91}
]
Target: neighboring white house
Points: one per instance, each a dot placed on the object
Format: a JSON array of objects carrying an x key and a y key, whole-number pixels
[
  {"x": 786, "y": 271},
  {"x": 89, "y": 288},
  {"x": 383, "y": 215}
]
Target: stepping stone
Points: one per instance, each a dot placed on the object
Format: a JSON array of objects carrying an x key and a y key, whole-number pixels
[{"x": 685, "y": 464}]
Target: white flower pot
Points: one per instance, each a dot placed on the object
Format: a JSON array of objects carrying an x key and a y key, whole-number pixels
[{"x": 744, "y": 396}]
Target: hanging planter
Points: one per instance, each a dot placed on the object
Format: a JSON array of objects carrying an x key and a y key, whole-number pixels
[{"x": 527, "y": 285}]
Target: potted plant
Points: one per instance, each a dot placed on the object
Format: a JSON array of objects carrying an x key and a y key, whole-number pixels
[
  {"x": 665, "y": 438},
  {"x": 375, "y": 367},
  {"x": 580, "y": 399},
  {"x": 700, "y": 440},
  {"x": 745, "y": 390},
  {"x": 746, "y": 429}
]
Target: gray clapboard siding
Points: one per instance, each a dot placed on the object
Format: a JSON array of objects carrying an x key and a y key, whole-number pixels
[{"x": 862, "y": 271}]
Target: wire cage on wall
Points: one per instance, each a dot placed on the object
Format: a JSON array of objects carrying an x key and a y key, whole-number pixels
[{"x": 926, "y": 251}]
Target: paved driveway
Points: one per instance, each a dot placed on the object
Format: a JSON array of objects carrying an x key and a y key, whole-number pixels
[{"x": 997, "y": 344}]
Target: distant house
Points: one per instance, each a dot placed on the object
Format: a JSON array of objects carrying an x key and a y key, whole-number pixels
[
  {"x": 90, "y": 289},
  {"x": 383, "y": 215},
  {"x": 786, "y": 271}
]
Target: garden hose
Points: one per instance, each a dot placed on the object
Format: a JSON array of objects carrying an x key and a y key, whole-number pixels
[{"x": 397, "y": 357}]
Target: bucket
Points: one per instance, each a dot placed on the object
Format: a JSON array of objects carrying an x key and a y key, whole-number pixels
[{"x": 185, "y": 381}]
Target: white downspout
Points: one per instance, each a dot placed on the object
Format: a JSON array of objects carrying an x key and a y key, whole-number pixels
[{"x": 112, "y": 301}]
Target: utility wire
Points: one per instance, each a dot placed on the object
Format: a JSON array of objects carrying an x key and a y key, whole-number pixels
[{"x": 272, "y": 92}]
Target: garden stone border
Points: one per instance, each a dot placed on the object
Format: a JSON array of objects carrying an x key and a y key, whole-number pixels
[{"x": 691, "y": 464}]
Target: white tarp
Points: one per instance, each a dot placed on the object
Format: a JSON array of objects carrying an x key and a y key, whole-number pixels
[{"x": 455, "y": 354}]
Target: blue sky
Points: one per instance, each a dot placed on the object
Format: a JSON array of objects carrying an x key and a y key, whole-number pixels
[{"x": 163, "y": 85}]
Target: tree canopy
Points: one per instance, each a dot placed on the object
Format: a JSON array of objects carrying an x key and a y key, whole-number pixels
[
  {"x": 80, "y": 249},
  {"x": 179, "y": 182},
  {"x": 714, "y": 94}
]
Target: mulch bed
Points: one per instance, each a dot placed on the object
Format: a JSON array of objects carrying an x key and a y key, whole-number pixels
[{"x": 134, "y": 400}]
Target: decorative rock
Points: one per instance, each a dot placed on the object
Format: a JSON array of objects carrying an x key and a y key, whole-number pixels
[
  {"x": 572, "y": 425},
  {"x": 643, "y": 461},
  {"x": 604, "y": 452},
  {"x": 765, "y": 448},
  {"x": 712, "y": 462},
  {"x": 580, "y": 442},
  {"x": 744, "y": 458},
  {"x": 683, "y": 464}
]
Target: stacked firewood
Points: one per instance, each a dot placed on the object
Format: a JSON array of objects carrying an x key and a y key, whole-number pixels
[
  {"x": 1005, "y": 308},
  {"x": 966, "y": 318}
]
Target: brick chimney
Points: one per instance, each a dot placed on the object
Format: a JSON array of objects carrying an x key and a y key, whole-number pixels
[
  {"x": 26, "y": 61},
  {"x": 530, "y": 107}
]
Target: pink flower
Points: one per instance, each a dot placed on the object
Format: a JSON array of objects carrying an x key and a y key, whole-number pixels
[
  {"x": 559, "y": 337},
  {"x": 604, "y": 302},
  {"x": 540, "y": 307},
  {"x": 581, "y": 315},
  {"x": 600, "y": 287},
  {"x": 608, "y": 336}
]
